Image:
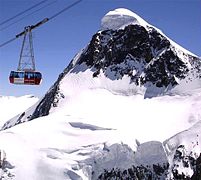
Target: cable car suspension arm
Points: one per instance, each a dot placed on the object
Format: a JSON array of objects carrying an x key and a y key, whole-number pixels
[{"x": 32, "y": 27}]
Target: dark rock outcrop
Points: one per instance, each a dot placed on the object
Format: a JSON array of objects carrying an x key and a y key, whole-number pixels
[
  {"x": 135, "y": 173},
  {"x": 147, "y": 52}
]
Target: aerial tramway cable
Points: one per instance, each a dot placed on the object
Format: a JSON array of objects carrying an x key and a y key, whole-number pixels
[
  {"x": 19, "y": 14},
  {"x": 66, "y": 8},
  {"x": 5, "y": 27},
  {"x": 41, "y": 22}
]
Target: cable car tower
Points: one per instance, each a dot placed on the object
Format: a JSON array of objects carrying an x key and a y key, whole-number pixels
[{"x": 27, "y": 61}]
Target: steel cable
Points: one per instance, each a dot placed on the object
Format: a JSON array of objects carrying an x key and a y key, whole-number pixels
[
  {"x": 42, "y": 22},
  {"x": 19, "y": 14},
  {"x": 5, "y": 27}
]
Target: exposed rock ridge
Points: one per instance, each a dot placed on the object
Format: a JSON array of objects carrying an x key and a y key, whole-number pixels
[{"x": 144, "y": 56}]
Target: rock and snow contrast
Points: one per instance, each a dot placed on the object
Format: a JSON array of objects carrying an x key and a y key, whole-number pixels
[{"x": 128, "y": 106}]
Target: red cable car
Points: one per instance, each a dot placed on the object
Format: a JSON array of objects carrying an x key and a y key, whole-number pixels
[
  {"x": 25, "y": 77},
  {"x": 26, "y": 73}
]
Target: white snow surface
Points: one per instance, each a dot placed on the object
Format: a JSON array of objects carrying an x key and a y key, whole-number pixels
[
  {"x": 101, "y": 121},
  {"x": 118, "y": 106},
  {"x": 11, "y": 106},
  {"x": 119, "y": 18}
]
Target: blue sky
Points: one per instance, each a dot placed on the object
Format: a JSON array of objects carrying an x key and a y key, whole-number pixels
[{"x": 57, "y": 41}]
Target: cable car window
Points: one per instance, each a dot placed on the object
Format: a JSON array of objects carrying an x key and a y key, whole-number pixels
[
  {"x": 31, "y": 75},
  {"x": 12, "y": 74},
  {"x": 38, "y": 75},
  {"x": 20, "y": 74},
  {"x": 16, "y": 75}
]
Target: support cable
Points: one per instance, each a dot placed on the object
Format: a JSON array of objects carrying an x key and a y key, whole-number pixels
[
  {"x": 19, "y": 14},
  {"x": 66, "y": 8},
  {"x": 5, "y": 27},
  {"x": 41, "y": 22},
  {"x": 7, "y": 42}
]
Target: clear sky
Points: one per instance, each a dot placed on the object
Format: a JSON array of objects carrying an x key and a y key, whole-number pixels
[{"x": 57, "y": 41}]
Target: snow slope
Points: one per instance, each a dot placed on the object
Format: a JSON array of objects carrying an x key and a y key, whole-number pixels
[
  {"x": 12, "y": 106},
  {"x": 124, "y": 109},
  {"x": 95, "y": 125},
  {"x": 66, "y": 143},
  {"x": 47, "y": 147}
]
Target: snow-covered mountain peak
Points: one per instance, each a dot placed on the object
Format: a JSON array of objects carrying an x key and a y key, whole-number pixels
[
  {"x": 119, "y": 18},
  {"x": 112, "y": 111}
]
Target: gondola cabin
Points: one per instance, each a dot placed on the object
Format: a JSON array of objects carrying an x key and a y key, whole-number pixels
[{"x": 25, "y": 77}]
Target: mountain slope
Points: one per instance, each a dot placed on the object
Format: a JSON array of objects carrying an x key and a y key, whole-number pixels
[
  {"x": 114, "y": 109},
  {"x": 65, "y": 144},
  {"x": 11, "y": 106}
]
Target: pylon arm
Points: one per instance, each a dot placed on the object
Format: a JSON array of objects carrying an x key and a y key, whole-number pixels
[
  {"x": 33, "y": 27},
  {"x": 39, "y": 23},
  {"x": 20, "y": 34}
]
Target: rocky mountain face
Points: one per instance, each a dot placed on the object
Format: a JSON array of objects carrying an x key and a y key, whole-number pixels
[
  {"x": 144, "y": 55},
  {"x": 157, "y": 171},
  {"x": 183, "y": 160}
]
